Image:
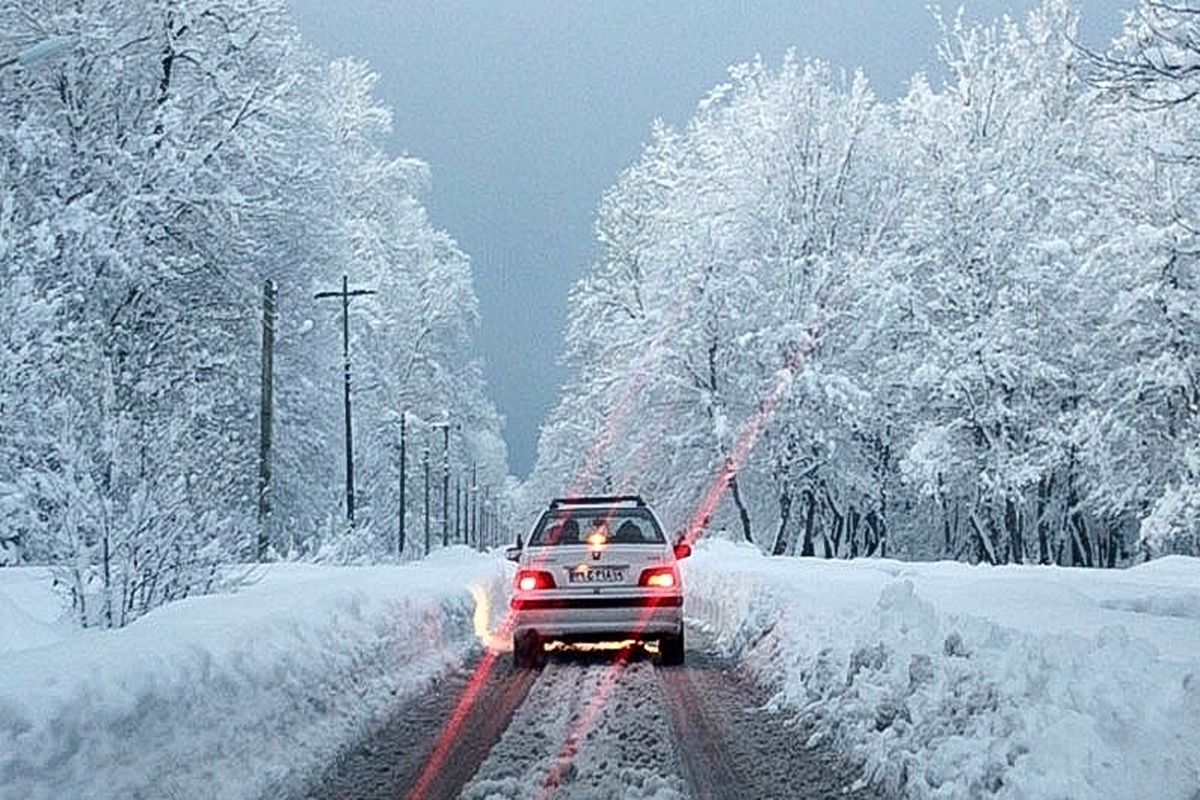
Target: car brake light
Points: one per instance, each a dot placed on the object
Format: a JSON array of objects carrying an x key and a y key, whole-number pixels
[
  {"x": 659, "y": 578},
  {"x": 529, "y": 580}
]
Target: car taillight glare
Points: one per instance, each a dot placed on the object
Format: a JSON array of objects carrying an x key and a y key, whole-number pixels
[
  {"x": 529, "y": 580},
  {"x": 659, "y": 578}
]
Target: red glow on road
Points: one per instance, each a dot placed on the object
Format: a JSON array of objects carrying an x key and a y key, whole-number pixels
[
  {"x": 745, "y": 445},
  {"x": 600, "y": 445},
  {"x": 584, "y": 724},
  {"x": 603, "y": 441},
  {"x": 442, "y": 749}
]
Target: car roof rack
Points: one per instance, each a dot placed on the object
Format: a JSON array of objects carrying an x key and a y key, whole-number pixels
[{"x": 598, "y": 500}]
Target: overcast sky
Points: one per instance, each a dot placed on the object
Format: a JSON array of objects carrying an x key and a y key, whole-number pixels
[{"x": 527, "y": 110}]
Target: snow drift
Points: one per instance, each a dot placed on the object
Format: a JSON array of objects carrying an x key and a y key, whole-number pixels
[
  {"x": 945, "y": 680},
  {"x": 224, "y": 696}
]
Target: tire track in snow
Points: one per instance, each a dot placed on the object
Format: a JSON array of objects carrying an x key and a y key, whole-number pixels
[
  {"x": 731, "y": 747},
  {"x": 387, "y": 763},
  {"x": 701, "y": 746},
  {"x": 664, "y": 733},
  {"x": 627, "y": 753}
]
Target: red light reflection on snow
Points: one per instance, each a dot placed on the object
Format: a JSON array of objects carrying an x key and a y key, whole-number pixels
[
  {"x": 441, "y": 751},
  {"x": 748, "y": 439},
  {"x": 745, "y": 445},
  {"x": 487, "y": 663},
  {"x": 615, "y": 419}
]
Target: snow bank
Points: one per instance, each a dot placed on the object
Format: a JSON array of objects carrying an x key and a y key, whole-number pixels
[
  {"x": 223, "y": 696},
  {"x": 29, "y": 610},
  {"x": 946, "y": 680}
]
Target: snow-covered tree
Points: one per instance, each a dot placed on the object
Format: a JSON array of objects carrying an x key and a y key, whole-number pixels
[
  {"x": 153, "y": 178},
  {"x": 984, "y": 290}
]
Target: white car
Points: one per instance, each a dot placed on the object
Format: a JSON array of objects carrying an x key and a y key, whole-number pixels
[{"x": 597, "y": 569}]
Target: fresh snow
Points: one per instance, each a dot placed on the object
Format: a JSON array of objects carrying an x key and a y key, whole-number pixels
[
  {"x": 624, "y": 750},
  {"x": 937, "y": 680},
  {"x": 30, "y": 610},
  {"x": 946, "y": 680},
  {"x": 223, "y": 696}
]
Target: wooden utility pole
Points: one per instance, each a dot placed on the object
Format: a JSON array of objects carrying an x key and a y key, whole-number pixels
[
  {"x": 458, "y": 537},
  {"x": 473, "y": 506},
  {"x": 425, "y": 464},
  {"x": 446, "y": 485},
  {"x": 485, "y": 521},
  {"x": 346, "y": 294},
  {"x": 403, "y": 479},
  {"x": 266, "y": 413}
]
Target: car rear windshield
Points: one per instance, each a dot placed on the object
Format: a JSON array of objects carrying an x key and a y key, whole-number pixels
[{"x": 578, "y": 525}]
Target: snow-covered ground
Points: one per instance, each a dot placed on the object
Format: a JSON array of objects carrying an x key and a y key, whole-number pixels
[
  {"x": 625, "y": 752},
  {"x": 939, "y": 680},
  {"x": 222, "y": 696},
  {"x": 947, "y": 680}
]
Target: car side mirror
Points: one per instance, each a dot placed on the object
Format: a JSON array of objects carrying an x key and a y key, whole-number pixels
[
  {"x": 682, "y": 550},
  {"x": 514, "y": 553}
]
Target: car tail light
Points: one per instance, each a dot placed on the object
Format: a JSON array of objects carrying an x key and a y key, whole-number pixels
[
  {"x": 529, "y": 580},
  {"x": 659, "y": 578}
]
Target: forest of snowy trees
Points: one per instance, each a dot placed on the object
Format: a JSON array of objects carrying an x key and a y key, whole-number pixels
[
  {"x": 981, "y": 299},
  {"x": 958, "y": 324},
  {"x": 153, "y": 177}
]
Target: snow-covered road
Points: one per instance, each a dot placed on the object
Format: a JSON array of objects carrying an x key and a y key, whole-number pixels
[
  {"x": 803, "y": 678},
  {"x": 593, "y": 726}
]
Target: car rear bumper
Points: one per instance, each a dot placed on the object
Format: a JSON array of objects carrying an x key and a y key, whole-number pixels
[{"x": 599, "y": 618}]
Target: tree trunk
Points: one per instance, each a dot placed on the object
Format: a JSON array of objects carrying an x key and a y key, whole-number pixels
[
  {"x": 986, "y": 551},
  {"x": 1081, "y": 543},
  {"x": 806, "y": 549},
  {"x": 785, "y": 516},
  {"x": 1045, "y": 488},
  {"x": 947, "y": 529},
  {"x": 879, "y": 516},
  {"x": 1012, "y": 521},
  {"x": 743, "y": 515},
  {"x": 839, "y": 521},
  {"x": 877, "y": 526},
  {"x": 852, "y": 531}
]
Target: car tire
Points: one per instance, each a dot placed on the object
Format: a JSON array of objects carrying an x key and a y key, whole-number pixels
[
  {"x": 670, "y": 649},
  {"x": 527, "y": 651}
]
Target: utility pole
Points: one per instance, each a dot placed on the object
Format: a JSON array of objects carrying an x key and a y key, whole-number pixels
[
  {"x": 465, "y": 533},
  {"x": 346, "y": 294},
  {"x": 473, "y": 506},
  {"x": 266, "y": 413},
  {"x": 501, "y": 520},
  {"x": 425, "y": 462},
  {"x": 403, "y": 479},
  {"x": 446, "y": 486},
  {"x": 458, "y": 537},
  {"x": 486, "y": 539},
  {"x": 445, "y": 426}
]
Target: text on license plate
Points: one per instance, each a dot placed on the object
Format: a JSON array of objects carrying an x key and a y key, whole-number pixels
[{"x": 596, "y": 575}]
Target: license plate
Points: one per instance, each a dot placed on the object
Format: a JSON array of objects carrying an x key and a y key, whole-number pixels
[{"x": 596, "y": 575}]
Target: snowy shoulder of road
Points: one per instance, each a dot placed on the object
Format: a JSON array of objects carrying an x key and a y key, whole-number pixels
[
  {"x": 947, "y": 680},
  {"x": 226, "y": 695}
]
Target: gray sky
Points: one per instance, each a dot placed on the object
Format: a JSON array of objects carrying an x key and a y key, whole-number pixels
[{"x": 527, "y": 110}]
